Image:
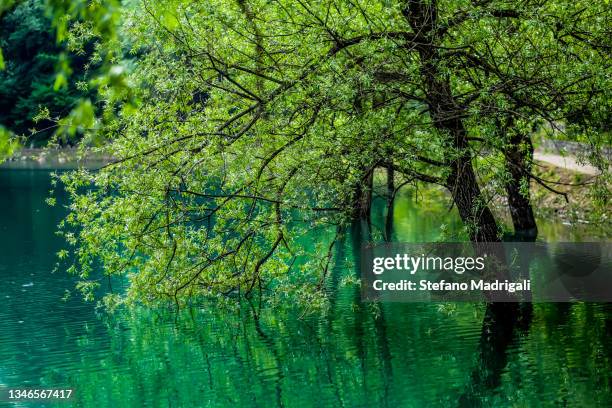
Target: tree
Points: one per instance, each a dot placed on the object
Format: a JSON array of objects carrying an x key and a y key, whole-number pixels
[
  {"x": 259, "y": 123},
  {"x": 542, "y": 63}
]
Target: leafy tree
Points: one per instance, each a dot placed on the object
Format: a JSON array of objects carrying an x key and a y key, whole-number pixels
[
  {"x": 260, "y": 123},
  {"x": 543, "y": 63}
]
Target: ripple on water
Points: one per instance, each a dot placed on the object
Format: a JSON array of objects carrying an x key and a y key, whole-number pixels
[{"x": 402, "y": 355}]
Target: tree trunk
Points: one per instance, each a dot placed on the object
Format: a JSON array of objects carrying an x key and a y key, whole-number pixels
[
  {"x": 446, "y": 115},
  {"x": 474, "y": 211},
  {"x": 519, "y": 156},
  {"x": 362, "y": 197},
  {"x": 390, "y": 182},
  {"x": 390, "y": 202}
]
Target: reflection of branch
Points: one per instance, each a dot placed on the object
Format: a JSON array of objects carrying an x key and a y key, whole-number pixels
[{"x": 269, "y": 342}]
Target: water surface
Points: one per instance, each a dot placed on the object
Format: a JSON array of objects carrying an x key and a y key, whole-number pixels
[{"x": 398, "y": 355}]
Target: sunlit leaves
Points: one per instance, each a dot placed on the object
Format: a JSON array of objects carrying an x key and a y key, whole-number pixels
[
  {"x": 8, "y": 143},
  {"x": 80, "y": 120},
  {"x": 253, "y": 124}
]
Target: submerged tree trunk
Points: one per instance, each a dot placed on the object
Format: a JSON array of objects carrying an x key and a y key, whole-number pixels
[{"x": 519, "y": 156}]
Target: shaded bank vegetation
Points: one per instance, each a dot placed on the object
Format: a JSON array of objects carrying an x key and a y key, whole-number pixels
[{"x": 41, "y": 81}]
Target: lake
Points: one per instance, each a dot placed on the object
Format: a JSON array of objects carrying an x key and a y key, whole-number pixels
[{"x": 351, "y": 355}]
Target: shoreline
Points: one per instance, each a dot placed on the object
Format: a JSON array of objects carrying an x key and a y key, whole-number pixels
[{"x": 66, "y": 158}]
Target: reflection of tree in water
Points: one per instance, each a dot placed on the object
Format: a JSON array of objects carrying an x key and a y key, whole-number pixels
[
  {"x": 361, "y": 234},
  {"x": 501, "y": 325},
  {"x": 348, "y": 356},
  {"x": 555, "y": 354},
  {"x": 271, "y": 345},
  {"x": 352, "y": 354}
]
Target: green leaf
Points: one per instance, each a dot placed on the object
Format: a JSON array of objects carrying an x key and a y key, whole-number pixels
[
  {"x": 8, "y": 144},
  {"x": 60, "y": 82}
]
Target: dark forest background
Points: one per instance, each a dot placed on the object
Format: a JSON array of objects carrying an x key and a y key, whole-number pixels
[{"x": 28, "y": 82}]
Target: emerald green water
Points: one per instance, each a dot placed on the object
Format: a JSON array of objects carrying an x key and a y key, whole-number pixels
[{"x": 401, "y": 355}]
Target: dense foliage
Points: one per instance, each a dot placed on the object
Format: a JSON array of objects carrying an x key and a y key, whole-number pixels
[{"x": 252, "y": 125}]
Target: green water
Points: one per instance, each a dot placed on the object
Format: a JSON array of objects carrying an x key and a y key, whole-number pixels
[{"x": 402, "y": 355}]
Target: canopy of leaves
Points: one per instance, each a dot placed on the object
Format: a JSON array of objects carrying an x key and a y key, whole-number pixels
[{"x": 251, "y": 124}]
